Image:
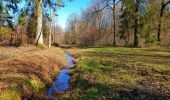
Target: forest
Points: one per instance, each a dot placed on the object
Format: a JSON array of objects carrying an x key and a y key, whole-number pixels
[
  {"x": 110, "y": 50},
  {"x": 142, "y": 23},
  {"x": 120, "y": 23}
]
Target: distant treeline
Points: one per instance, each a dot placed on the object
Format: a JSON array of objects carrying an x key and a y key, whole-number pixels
[
  {"x": 131, "y": 23},
  {"x": 135, "y": 23}
]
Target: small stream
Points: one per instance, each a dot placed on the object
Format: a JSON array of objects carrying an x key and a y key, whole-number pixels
[{"x": 62, "y": 81}]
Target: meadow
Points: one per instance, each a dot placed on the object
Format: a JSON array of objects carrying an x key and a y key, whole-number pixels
[{"x": 120, "y": 73}]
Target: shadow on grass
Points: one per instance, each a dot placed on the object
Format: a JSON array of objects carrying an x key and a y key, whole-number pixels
[
  {"x": 91, "y": 53},
  {"x": 146, "y": 55},
  {"x": 79, "y": 46},
  {"x": 158, "y": 50},
  {"x": 98, "y": 91}
]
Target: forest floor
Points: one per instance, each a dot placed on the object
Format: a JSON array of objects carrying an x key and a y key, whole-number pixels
[
  {"x": 24, "y": 71},
  {"x": 120, "y": 73}
]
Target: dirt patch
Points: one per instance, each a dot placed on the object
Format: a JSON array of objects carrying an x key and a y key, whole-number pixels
[{"x": 32, "y": 71}]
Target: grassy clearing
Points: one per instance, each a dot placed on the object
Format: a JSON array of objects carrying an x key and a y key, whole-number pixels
[
  {"x": 27, "y": 74},
  {"x": 122, "y": 73}
]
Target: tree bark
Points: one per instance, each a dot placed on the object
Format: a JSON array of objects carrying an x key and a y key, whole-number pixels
[
  {"x": 136, "y": 25},
  {"x": 39, "y": 34},
  {"x": 114, "y": 22},
  {"x": 52, "y": 19},
  {"x": 128, "y": 35},
  {"x": 163, "y": 5},
  {"x": 49, "y": 41}
]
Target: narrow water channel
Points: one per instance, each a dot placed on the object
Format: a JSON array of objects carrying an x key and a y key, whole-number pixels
[{"x": 62, "y": 80}]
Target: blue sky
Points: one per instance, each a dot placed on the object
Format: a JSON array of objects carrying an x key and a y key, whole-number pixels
[{"x": 70, "y": 7}]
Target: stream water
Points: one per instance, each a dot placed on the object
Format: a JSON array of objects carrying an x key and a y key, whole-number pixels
[{"x": 62, "y": 80}]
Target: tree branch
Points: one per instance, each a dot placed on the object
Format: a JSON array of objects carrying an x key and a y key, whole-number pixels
[
  {"x": 99, "y": 10},
  {"x": 167, "y": 3},
  {"x": 111, "y": 8}
]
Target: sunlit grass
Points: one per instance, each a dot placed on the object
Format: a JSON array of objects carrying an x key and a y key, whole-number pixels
[
  {"x": 11, "y": 93},
  {"x": 105, "y": 72}
]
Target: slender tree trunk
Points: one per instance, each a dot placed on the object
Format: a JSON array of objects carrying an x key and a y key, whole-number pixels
[
  {"x": 136, "y": 24},
  {"x": 163, "y": 5},
  {"x": 76, "y": 33},
  {"x": 52, "y": 19},
  {"x": 127, "y": 29},
  {"x": 160, "y": 22},
  {"x": 50, "y": 35},
  {"x": 136, "y": 33},
  {"x": 114, "y": 22},
  {"x": 128, "y": 35},
  {"x": 39, "y": 34},
  {"x": 54, "y": 32}
]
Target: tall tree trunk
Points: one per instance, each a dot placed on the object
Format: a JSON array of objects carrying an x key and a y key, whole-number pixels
[
  {"x": 128, "y": 34},
  {"x": 136, "y": 33},
  {"x": 163, "y": 5},
  {"x": 50, "y": 31},
  {"x": 76, "y": 35},
  {"x": 160, "y": 22},
  {"x": 49, "y": 40},
  {"x": 39, "y": 34},
  {"x": 136, "y": 24},
  {"x": 54, "y": 33},
  {"x": 114, "y": 22},
  {"x": 52, "y": 20}
]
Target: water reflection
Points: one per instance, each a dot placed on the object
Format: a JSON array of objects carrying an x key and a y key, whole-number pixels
[{"x": 62, "y": 81}]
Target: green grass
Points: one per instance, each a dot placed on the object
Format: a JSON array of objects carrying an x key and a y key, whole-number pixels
[
  {"x": 37, "y": 85},
  {"x": 117, "y": 73}
]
